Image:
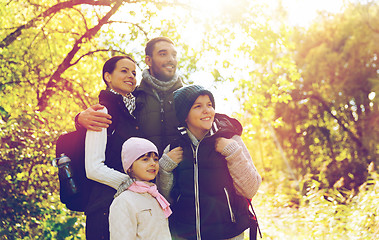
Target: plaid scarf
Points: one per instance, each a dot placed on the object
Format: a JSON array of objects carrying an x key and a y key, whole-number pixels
[{"x": 129, "y": 101}]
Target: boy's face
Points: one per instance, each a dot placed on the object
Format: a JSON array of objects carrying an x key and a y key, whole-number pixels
[
  {"x": 200, "y": 116},
  {"x": 145, "y": 168}
]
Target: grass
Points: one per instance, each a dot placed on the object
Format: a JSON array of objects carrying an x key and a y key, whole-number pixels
[{"x": 314, "y": 216}]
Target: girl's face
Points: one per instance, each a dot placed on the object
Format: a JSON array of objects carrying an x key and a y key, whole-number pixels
[
  {"x": 123, "y": 78},
  {"x": 200, "y": 116},
  {"x": 145, "y": 168}
]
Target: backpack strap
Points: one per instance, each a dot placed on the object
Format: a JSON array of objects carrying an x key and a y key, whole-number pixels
[
  {"x": 115, "y": 116},
  {"x": 254, "y": 224}
]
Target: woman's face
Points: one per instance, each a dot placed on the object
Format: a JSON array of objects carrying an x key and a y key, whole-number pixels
[
  {"x": 200, "y": 116},
  {"x": 145, "y": 168},
  {"x": 123, "y": 77}
]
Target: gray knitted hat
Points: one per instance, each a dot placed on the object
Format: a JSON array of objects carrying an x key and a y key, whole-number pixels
[{"x": 185, "y": 97}]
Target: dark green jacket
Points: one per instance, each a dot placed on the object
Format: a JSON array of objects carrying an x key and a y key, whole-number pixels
[{"x": 156, "y": 114}]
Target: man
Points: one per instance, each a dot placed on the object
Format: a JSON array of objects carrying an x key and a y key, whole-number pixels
[
  {"x": 154, "y": 111},
  {"x": 154, "y": 108}
]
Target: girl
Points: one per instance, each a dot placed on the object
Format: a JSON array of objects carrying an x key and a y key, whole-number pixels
[
  {"x": 139, "y": 211},
  {"x": 102, "y": 149},
  {"x": 210, "y": 187}
]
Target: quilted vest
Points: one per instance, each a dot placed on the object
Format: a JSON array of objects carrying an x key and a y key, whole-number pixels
[{"x": 156, "y": 114}]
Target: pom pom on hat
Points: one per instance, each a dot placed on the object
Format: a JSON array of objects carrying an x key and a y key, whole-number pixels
[
  {"x": 185, "y": 97},
  {"x": 133, "y": 148}
]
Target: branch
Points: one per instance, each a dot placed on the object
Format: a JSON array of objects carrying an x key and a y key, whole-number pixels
[
  {"x": 52, "y": 10},
  {"x": 339, "y": 121},
  {"x": 135, "y": 24},
  {"x": 51, "y": 85},
  {"x": 69, "y": 86},
  {"x": 93, "y": 52}
]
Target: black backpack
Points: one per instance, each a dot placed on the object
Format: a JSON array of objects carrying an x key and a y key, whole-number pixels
[{"x": 72, "y": 145}]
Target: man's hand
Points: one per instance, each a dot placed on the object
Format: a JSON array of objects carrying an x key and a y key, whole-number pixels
[
  {"x": 93, "y": 120},
  {"x": 176, "y": 154},
  {"x": 221, "y": 143}
]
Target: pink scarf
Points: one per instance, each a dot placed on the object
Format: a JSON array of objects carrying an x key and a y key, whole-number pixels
[{"x": 142, "y": 187}]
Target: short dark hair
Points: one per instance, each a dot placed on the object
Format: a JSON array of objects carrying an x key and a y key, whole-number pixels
[
  {"x": 151, "y": 43},
  {"x": 110, "y": 65}
]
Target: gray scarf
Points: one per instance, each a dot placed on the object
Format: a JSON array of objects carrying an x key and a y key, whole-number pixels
[{"x": 160, "y": 86}]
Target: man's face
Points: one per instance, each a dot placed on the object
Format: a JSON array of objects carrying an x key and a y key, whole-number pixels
[{"x": 162, "y": 63}]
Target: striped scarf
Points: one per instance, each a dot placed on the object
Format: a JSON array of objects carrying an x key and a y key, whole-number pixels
[{"x": 129, "y": 101}]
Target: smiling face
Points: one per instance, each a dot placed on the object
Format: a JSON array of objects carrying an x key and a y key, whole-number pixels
[
  {"x": 162, "y": 62},
  {"x": 145, "y": 168},
  {"x": 123, "y": 77},
  {"x": 200, "y": 116}
]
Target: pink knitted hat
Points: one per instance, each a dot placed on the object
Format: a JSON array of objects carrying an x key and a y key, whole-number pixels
[{"x": 133, "y": 148}]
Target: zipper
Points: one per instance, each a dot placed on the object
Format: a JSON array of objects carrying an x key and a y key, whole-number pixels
[
  {"x": 232, "y": 217},
  {"x": 177, "y": 199},
  {"x": 196, "y": 185},
  {"x": 196, "y": 182}
]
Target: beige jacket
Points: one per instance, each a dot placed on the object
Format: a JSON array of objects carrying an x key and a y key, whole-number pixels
[{"x": 137, "y": 216}]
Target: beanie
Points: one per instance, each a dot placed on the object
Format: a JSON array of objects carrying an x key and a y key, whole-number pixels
[
  {"x": 133, "y": 148},
  {"x": 185, "y": 97}
]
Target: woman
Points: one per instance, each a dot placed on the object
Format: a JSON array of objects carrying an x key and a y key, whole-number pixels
[
  {"x": 102, "y": 159},
  {"x": 210, "y": 187}
]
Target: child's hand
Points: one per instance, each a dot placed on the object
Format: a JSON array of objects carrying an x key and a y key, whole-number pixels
[
  {"x": 221, "y": 143},
  {"x": 176, "y": 154}
]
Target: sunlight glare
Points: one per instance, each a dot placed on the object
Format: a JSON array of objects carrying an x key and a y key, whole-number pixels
[
  {"x": 302, "y": 12},
  {"x": 208, "y": 7}
]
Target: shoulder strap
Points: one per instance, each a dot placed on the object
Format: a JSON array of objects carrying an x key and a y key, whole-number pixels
[
  {"x": 115, "y": 116},
  {"x": 255, "y": 225}
]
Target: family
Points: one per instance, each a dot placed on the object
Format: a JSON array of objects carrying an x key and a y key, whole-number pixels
[{"x": 166, "y": 165}]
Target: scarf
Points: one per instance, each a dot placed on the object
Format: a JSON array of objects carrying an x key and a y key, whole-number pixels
[
  {"x": 142, "y": 187},
  {"x": 159, "y": 85},
  {"x": 129, "y": 101}
]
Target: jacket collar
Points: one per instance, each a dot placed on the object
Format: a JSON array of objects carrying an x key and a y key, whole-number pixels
[
  {"x": 221, "y": 124},
  {"x": 214, "y": 129}
]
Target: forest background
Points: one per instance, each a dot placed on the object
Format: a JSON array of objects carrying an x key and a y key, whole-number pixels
[{"x": 305, "y": 94}]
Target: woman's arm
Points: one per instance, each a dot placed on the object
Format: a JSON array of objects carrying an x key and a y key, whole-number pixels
[
  {"x": 96, "y": 170},
  {"x": 241, "y": 167}
]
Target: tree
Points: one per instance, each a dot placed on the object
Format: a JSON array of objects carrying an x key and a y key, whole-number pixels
[
  {"x": 51, "y": 54},
  {"x": 330, "y": 128}
]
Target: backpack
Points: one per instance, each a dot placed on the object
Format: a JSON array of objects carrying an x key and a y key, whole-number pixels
[{"x": 72, "y": 145}]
